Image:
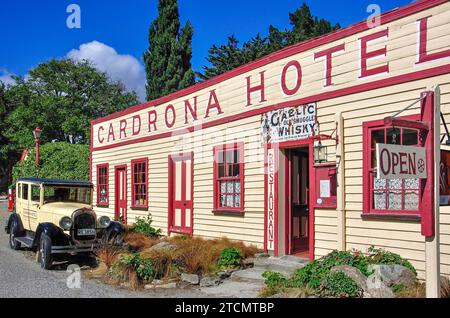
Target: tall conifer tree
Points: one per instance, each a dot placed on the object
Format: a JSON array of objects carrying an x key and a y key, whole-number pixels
[{"x": 168, "y": 58}]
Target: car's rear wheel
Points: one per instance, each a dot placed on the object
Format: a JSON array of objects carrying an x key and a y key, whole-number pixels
[
  {"x": 45, "y": 257},
  {"x": 13, "y": 243}
]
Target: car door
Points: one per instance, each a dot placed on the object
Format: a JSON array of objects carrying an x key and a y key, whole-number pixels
[{"x": 34, "y": 206}]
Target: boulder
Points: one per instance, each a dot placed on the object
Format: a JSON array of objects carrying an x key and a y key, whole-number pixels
[
  {"x": 191, "y": 279},
  {"x": 372, "y": 287},
  {"x": 226, "y": 273},
  {"x": 209, "y": 281},
  {"x": 164, "y": 246},
  {"x": 393, "y": 275},
  {"x": 354, "y": 273}
]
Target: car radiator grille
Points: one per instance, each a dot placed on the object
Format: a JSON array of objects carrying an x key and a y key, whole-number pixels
[{"x": 84, "y": 221}]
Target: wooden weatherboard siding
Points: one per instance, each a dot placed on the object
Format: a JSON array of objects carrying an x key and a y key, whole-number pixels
[{"x": 228, "y": 109}]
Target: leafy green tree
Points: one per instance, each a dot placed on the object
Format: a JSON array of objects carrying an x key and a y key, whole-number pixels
[
  {"x": 168, "y": 58},
  {"x": 58, "y": 160},
  {"x": 229, "y": 56},
  {"x": 61, "y": 97}
]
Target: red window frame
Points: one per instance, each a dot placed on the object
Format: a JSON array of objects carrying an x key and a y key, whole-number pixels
[
  {"x": 239, "y": 146},
  {"x": 102, "y": 181},
  {"x": 368, "y": 170},
  {"x": 134, "y": 183}
]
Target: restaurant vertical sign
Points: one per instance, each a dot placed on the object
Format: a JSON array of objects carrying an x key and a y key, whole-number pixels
[{"x": 271, "y": 193}]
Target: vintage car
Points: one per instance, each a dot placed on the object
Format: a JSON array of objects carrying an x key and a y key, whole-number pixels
[{"x": 56, "y": 218}]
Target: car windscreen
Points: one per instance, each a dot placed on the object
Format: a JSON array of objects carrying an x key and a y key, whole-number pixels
[{"x": 67, "y": 194}]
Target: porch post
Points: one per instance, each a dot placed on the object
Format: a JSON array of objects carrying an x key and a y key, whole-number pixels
[{"x": 340, "y": 192}]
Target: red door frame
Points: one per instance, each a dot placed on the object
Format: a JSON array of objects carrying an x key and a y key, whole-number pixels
[
  {"x": 287, "y": 230},
  {"x": 171, "y": 191},
  {"x": 124, "y": 187}
]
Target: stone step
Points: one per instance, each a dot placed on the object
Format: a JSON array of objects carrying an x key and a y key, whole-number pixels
[
  {"x": 285, "y": 264},
  {"x": 250, "y": 275}
]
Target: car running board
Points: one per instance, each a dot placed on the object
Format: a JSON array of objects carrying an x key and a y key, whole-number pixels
[{"x": 25, "y": 241}]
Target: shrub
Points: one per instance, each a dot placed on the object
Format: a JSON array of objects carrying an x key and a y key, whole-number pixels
[
  {"x": 339, "y": 285},
  {"x": 138, "y": 241},
  {"x": 275, "y": 279},
  {"x": 143, "y": 267},
  {"x": 144, "y": 225},
  {"x": 230, "y": 257},
  {"x": 108, "y": 253},
  {"x": 380, "y": 256}
]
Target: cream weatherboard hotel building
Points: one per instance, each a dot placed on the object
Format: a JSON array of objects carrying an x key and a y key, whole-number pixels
[{"x": 284, "y": 152}]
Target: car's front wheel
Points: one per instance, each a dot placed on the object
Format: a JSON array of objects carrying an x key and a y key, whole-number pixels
[
  {"x": 45, "y": 258},
  {"x": 13, "y": 243}
]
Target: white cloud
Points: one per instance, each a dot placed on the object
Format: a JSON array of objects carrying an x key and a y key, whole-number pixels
[
  {"x": 124, "y": 68},
  {"x": 6, "y": 77}
]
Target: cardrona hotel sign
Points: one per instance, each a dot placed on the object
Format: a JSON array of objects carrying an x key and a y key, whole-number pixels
[{"x": 312, "y": 72}]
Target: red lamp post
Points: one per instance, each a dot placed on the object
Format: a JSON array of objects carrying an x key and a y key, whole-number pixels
[{"x": 37, "y": 139}]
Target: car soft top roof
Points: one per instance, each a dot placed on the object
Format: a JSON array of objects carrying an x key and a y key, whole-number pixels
[{"x": 54, "y": 182}]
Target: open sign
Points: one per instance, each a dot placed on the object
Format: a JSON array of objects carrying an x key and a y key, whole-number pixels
[{"x": 401, "y": 162}]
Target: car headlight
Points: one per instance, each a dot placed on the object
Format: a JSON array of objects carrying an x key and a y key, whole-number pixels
[
  {"x": 104, "y": 221},
  {"x": 66, "y": 223}
]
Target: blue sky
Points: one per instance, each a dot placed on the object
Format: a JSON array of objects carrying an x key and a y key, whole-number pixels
[{"x": 114, "y": 33}]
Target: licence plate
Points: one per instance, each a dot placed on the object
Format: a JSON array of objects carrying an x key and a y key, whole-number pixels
[{"x": 86, "y": 232}]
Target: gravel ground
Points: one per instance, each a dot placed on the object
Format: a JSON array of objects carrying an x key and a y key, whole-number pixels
[{"x": 21, "y": 277}]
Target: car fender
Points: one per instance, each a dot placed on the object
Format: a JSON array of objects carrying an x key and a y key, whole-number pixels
[
  {"x": 115, "y": 231},
  {"x": 14, "y": 217},
  {"x": 56, "y": 234}
]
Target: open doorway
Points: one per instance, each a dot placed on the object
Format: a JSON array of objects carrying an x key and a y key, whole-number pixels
[{"x": 297, "y": 201}]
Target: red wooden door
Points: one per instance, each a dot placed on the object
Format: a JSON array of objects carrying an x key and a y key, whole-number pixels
[
  {"x": 299, "y": 202},
  {"x": 181, "y": 184},
  {"x": 121, "y": 193}
]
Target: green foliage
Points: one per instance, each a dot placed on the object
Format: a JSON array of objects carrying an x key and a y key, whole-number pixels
[
  {"x": 275, "y": 279},
  {"x": 144, "y": 226},
  {"x": 57, "y": 161},
  {"x": 230, "y": 256},
  {"x": 168, "y": 58},
  {"x": 62, "y": 97},
  {"x": 230, "y": 55},
  {"x": 317, "y": 275},
  {"x": 380, "y": 256},
  {"x": 144, "y": 267},
  {"x": 339, "y": 285},
  {"x": 398, "y": 288}
]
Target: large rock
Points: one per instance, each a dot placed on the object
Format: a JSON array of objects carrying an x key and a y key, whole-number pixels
[
  {"x": 393, "y": 275},
  {"x": 191, "y": 279},
  {"x": 354, "y": 273},
  {"x": 164, "y": 246},
  {"x": 372, "y": 287}
]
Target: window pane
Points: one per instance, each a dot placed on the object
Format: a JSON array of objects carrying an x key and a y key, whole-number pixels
[
  {"x": 379, "y": 183},
  {"x": 411, "y": 183},
  {"x": 35, "y": 193},
  {"x": 220, "y": 157},
  {"x": 230, "y": 187},
  {"x": 223, "y": 187},
  {"x": 221, "y": 171},
  {"x": 237, "y": 200},
  {"x": 395, "y": 200},
  {"x": 236, "y": 156},
  {"x": 377, "y": 137},
  {"x": 410, "y": 137},
  {"x": 395, "y": 184},
  {"x": 223, "y": 200},
  {"x": 235, "y": 172},
  {"x": 229, "y": 201},
  {"x": 229, "y": 156},
  {"x": 379, "y": 198},
  {"x": 412, "y": 200},
  {"x": 237, "y": 187},
  {"x": 393, "y": 136}
]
